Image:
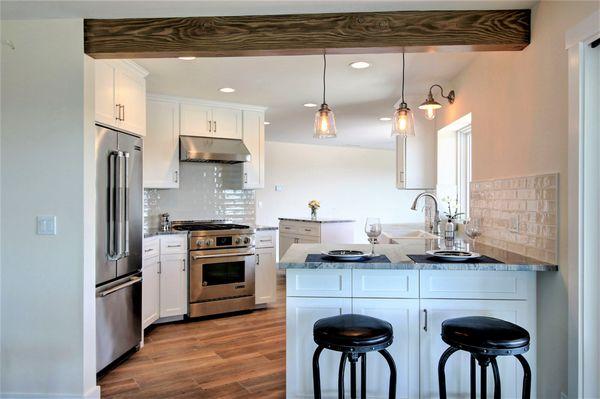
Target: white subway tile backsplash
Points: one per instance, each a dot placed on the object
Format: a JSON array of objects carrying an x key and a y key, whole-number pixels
[{"x": 531, "y": 202}]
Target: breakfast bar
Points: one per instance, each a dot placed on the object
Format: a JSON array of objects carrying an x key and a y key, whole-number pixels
[{"x": 415, "y": 297}]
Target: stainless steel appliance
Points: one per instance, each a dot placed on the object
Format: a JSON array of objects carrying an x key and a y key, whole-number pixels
[
  {"x": 209, "y": 149},
  {"x": 118, "y": 244},
  {"x": 221, "y": 272}
]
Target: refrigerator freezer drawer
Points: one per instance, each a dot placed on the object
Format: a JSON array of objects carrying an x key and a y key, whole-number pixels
[{"x": 118, "y": 319}]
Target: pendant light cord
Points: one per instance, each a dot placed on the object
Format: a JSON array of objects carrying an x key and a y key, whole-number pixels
[
  {"x": 403, "y": 76},
  {"x": 324, "y": 72}
]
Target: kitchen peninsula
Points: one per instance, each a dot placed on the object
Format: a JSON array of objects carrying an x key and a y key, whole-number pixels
[{"x": 415, "y": 298}]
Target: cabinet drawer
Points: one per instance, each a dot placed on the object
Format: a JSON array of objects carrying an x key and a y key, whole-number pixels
[
  {"x": 319, "y": 283},
  {"x": 151, "y": 247},
  {"x": 288, "y": 228},
  {"x": 370, "y": 283},
  {"x": 265, "y": 239},
  {"x": 477, "y": 284},
  {"x": 173, "y": 244},
  {"x": 309, "y": 229}
]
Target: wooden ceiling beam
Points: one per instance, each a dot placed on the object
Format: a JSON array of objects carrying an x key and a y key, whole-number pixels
[{"x": 302, "y": 34}]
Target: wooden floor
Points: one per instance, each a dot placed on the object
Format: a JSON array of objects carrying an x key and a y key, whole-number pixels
[{"x": 242, "y": 356}]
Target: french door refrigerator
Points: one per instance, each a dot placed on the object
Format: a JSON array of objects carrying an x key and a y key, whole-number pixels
[{"x": 118, "y": 244}]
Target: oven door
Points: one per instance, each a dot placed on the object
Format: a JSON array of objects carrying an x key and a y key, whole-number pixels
[{"x": 222, "y": 275}]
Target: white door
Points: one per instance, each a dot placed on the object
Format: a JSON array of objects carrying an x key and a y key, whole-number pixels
[
  {"x": 196, "y": 120},
  {"x": 403, "y": 315},
  {"x": 254, "y": 139},
  {"x": 434, "y": 312},
  {"x": 130, "y": 94},
  {"x": 173, "y": 285},
  {"x": 161, "y": 145},
  {"x": 266, "y": 276},
  {"x": 105, "y": 93},
  {"x": 227, "y": 123},
  {"x": 150, "y": 290},
  {"x": 301, "y": 315}
]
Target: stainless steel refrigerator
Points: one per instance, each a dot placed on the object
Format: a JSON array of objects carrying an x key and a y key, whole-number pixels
[{"x": 118, "y": 244}]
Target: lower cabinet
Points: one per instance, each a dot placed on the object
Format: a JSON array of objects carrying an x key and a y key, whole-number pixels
[
  {"x": 173, "y": 285},
  {"x": 150, "y": 290},
  {"x": 265, "y": 276}
]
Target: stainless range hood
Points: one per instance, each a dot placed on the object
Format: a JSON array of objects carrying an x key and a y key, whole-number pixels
[{"x": 208, "y": 149}]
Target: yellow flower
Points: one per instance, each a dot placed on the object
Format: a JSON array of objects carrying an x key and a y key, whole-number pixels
[{"x": 314, "y": 204}]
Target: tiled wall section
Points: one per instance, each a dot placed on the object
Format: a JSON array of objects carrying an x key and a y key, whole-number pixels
[
  {"x": 518, "y": 214},
  {"x": 206, "y": 191}
]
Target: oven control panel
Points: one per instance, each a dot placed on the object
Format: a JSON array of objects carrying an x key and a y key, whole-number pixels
[{"x": 225, "y": 241}]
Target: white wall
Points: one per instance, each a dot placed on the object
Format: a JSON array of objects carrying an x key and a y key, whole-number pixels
[
  {"x": 47, "y": 340},
  {"x": 518, "y": 102},
  {"x": 349, "y": 182}
]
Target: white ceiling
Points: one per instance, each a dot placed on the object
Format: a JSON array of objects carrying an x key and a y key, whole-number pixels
[
  {"x": 27, "y": 9},
  {"x": 283, "y": 84}
]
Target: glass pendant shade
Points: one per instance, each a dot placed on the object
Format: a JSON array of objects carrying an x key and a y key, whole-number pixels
[
  {"x": 429, "y": 106},
  {"x": 404, "y": 122},
  {"x": 324, "y": 123}
]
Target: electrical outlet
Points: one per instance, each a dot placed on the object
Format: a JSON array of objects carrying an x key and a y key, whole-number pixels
[{"x": 513, "y": 224}]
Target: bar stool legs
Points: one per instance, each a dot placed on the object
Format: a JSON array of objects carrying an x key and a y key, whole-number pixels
[
  {"x": 442, "y": 373},
  {"x": 497, "y": 384},
  {"x": 392, "y": 366},
  {"x": 526, "y": 376},
  {"x": 317, "y": 373}
]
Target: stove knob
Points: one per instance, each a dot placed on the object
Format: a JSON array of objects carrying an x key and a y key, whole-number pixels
[
  {"x": 237, "y": 241},
  {"x": 209, "y": 242},
  {"x": 199, "y": 243},
  {"x": 247, "y": 240}
]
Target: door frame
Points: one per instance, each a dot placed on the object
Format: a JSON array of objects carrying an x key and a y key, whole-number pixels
[{"x": 584, "y": 318}]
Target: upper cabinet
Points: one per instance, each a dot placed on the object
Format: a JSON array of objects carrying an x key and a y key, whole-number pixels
[
  {"x": 120, "y": 95},
  {"x": 161, "y": 144},
  {"x": 210, "y": 121},
  {"x": 416, "y": 161},
  {"x": 254, "y": 139}
]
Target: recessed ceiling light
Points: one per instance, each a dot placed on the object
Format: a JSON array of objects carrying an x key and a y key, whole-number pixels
[
  {"x": 385, "y": 118},
  {"x": 310, "y": 105},
  {"x": 360, "y": 65},
  {"x": 226, "y": 90},
  {"x": 266, "y": 123},
  {"x": 187, "y": 58}
]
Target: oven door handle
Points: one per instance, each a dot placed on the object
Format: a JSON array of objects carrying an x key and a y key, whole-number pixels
[{"x": 198, "y": 257}]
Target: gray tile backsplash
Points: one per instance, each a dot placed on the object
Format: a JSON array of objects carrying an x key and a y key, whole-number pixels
[
  {"x": 519, "y": 214},
  {"x": 206, "y": 191}
]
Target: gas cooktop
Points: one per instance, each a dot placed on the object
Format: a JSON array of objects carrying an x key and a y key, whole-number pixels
[{"x": 204, "y": 226}]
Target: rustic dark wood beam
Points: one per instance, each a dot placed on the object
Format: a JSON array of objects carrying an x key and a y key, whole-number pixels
[{"x": 300, "y": 34}]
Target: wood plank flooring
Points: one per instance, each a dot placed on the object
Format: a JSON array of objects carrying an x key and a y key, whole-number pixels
[{"x": 242, "y": 356}]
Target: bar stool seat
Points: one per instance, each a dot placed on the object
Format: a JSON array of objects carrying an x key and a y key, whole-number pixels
[
  {"x": 485, "y": 335},
  {"x": 353, "y": 333}
]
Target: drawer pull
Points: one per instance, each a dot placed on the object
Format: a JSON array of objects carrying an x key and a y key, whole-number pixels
[
  {"x": 174, "y": 246},
  {"x": 269, "y": 240},
  {"x": 307, "y": 229},
  {"x": 149, "y": 250}
]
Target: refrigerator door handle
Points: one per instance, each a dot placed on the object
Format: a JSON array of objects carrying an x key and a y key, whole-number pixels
[
  {"x": 119, "y": 206},
  {"x": 120, "y": 286},
  {"x": 126, "y": 204},
  {"x": 113, "y": 200}
]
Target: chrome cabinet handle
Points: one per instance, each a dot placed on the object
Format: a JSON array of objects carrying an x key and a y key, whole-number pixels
[
  {"x": 122, "y": 106},
  {"x": 159, "y": 267},
  {"x": 257, "y": 259},
  {"x": 307, "y": 229},
  {"x": 183, "y": 265},
  {"x": 245, "y": 177},
  {"x": 209, "y": 126},
  {"x": 121, "y": 286},
  {"x": 176, "y": 176},
  {"x": 118, "y": 117},
  {"x": 215, "y": 123},
  {"x": 425, "y": 325},
  {"x": 148, "y": 250}
]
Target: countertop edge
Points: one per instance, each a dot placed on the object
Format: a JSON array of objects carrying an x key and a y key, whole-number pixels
[
  {"x": 420, "y": 266},
  {"x": 309, "y": 220}
]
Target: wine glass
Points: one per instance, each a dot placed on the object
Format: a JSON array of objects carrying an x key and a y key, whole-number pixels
[
  {"x": 373, "y": 230},
  {"x": 472, "y": 230}
]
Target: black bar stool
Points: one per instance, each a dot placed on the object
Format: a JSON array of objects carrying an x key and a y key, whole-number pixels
[
  {"x": 354, "y": 335},
  {"x": 485, "y": 338}
]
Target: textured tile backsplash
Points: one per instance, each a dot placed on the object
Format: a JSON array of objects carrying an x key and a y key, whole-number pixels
[
  {"x": 206, "y": 191},
  {"x": 519, "y": 214}
]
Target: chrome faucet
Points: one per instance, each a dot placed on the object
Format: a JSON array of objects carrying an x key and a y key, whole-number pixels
[{"x": 435, "y": 228}]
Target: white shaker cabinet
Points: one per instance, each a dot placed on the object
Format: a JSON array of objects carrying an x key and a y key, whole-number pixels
[
  {"x": 120, "y": 95},
  {"x": 173, "y": 285},
  {"x": 196, "y": 120},
  {"x": 150, "y": 281},
  {"x": 161, "y": 144},
  {"x": 227, "y": 123},
  {"x": 254, "y": 139},
  {"x": 266, "y": 267},
  {"x": 208, "y": 120}
]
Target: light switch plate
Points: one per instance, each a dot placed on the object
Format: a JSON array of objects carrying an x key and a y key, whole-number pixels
[
  {"x": 46, "y": 225},
  {"x": 278, "y": 187}
]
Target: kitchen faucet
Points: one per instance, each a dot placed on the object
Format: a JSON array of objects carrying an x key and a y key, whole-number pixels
[{"x": 435, "y": 228}]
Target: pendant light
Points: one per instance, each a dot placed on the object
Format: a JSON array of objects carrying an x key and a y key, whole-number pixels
[
  {"x": 324, "y": 118},
  {"x": 403, "y": 123},
  {"x": 430, "y": 105}
]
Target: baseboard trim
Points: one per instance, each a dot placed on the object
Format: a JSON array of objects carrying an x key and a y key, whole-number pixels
[{"x": 93, "y": 393}]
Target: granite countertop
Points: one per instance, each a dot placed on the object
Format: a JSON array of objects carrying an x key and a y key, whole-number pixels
[
  {"x": 153, "y": 233},
  {"x": 295, "y": 258},
  {"x": 319, "y": 220},
  {"x": 265, "y": 228}
]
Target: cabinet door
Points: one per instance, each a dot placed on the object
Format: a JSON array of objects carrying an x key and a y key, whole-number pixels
[
  {"x": 403, "y": 315},
  {"x": 285, "y": 242},
  {"x": 301, "y": 315},
  {"x": 130, "y": 94},
  {"x": 161, "y": 145},
  {"x": 266, "y": 276},
  {"x": 150, "y": 290},
  {"x": 227, "y": 123},
  {"x": 307, "y": 240},
  {"x": 173, "y": 285},
  {"x": 254, "y": 139},
  {"x": 434, "y": 312},
  {"x": 105, "y": 93},
  {"x": 195, "y": 120}
]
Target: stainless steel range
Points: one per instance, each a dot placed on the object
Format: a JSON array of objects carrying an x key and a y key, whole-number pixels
[{"x": 221, "y": 272}]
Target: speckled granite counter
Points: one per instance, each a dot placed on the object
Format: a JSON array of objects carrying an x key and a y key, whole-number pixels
[
  {"x": 153, "y": 233},
  {"x": 295, "y": 258},
  {"x": 319, "y": 220}
]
